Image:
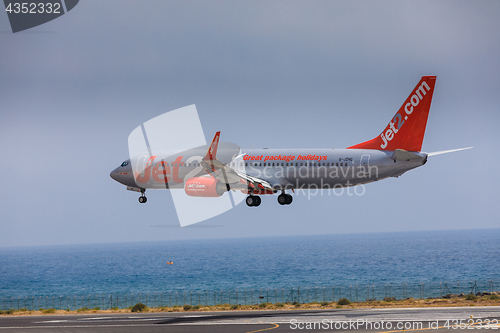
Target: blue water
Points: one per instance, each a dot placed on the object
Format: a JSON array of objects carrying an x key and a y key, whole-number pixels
[{"x": 371, "y": 261}]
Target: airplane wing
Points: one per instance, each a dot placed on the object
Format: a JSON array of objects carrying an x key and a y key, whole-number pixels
[{"x": 234, "y": 179}]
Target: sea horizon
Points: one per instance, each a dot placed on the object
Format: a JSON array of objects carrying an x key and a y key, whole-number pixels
[{"x": 240, "y": 237}]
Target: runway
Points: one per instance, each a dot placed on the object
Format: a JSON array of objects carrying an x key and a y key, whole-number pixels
[{"x": 362, "y": 320}]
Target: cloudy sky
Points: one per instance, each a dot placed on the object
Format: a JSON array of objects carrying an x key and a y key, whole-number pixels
[{"x": 277, "y": 74}]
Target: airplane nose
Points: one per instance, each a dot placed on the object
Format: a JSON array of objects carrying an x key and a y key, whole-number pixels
[
  {"x": 114, "y": 174},
  {"x": 123, "y": 174}
]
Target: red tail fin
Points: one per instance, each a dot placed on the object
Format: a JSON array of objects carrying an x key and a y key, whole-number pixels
[
  {"x": 212, "y": 149},
  {"x": 406, "y": 130}
]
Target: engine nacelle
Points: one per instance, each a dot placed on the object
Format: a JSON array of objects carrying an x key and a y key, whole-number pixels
[{"x": 204, "y": 187}]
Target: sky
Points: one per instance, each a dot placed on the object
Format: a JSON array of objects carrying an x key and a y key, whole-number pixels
[{"x": 275, "y": 74}]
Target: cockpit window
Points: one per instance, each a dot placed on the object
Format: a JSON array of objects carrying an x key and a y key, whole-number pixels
[{"x": 124, "y": 164}]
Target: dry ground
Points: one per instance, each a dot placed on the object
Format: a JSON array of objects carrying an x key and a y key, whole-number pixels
[{"x": 408, "y": 303}]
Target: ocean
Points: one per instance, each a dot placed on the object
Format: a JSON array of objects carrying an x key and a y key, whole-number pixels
[{"x": 356, "y": 266}]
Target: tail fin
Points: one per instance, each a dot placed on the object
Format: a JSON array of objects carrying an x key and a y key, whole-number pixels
[
  {"x": 406, "y": 130},
  {"x": 212, "y": 149}
]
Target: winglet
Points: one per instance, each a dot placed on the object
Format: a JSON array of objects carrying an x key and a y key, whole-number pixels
[{"x": 212, "y": 149}]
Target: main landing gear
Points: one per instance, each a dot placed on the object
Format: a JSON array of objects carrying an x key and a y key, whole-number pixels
[
  {"x": 285, "y": 199},
  {"x": 253, "y": 201},
  {"x": 142, "y": 198}
]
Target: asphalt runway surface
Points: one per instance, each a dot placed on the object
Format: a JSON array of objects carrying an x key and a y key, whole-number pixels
[{"x": 359, "y": 320}]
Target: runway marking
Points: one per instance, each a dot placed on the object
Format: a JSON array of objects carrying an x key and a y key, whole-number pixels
[
  {"x": 95, "y": 326},
  {"x": 121, "y": 319},
  {"x": 74, "y": 326},
  {"x": 266, "y": 329}
]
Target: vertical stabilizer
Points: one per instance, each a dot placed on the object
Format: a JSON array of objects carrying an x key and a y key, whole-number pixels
[
  {"x": 407, "y": 128},
  {"x": 212, "y": 149}
]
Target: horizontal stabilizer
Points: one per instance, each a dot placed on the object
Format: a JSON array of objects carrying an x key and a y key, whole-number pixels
[
  {"x": 403, "y": 155},
  {"x": 447, "y": 151}
]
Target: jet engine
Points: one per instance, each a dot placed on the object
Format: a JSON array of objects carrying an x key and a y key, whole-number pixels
[{"x": 204, "y": 187}]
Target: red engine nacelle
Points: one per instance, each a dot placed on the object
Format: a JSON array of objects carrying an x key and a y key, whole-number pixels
[{"x": 204, "y": 187}]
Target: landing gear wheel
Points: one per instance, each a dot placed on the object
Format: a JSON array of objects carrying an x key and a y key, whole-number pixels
[
  {"x": 142, "y": 198},
  {"x": 285, "y": 199},
  {"x": 253, "y": 201},
  {"x": 282, "y": 199}
]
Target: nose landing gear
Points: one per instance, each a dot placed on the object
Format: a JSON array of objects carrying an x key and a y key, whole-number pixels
[{"x": 142, "y": 198}]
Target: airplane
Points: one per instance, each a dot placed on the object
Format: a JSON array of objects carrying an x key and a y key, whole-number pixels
[{"x": 224, "y": 167}]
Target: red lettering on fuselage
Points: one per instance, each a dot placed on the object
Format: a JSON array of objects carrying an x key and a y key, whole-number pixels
[
  {"x": 157, "y": 172},
  {"x": 252, "y": 158},
  {"x": 160, "y": 172},
  {"x": 146, "y": 173}
]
